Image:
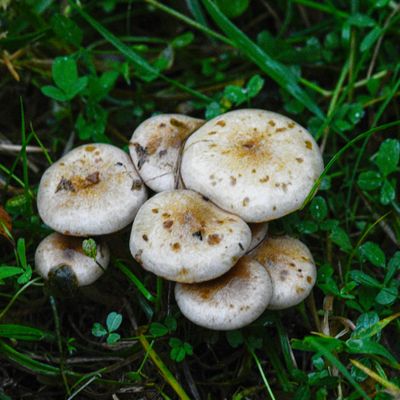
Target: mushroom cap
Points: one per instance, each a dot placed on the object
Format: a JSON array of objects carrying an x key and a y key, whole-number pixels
[
  {"x": 182, "y": 237},
  {"x": 253, "y": 163},
  {"x": 58, "y": 250},
  {"x": 291, "y": 267},
  {"x": 229, "y": 302},
  {"x": 92, "y": 190},
  {"x": 258, "y": 234},
  {"x": 155, "y": 148}
]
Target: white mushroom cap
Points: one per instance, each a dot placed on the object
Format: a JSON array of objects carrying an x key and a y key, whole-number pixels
[
  {"x": 256, "y": 164},
  {"x": 229, "y": 302},
  {"x": 92, "y": 190},
  {"x": 258, "y": 234},
  {"x": 58, "y": 253},
  {"x": 291, "y": 267},
  {"x": 155, "y": 148},
  {"x": 182, "y": 237}
]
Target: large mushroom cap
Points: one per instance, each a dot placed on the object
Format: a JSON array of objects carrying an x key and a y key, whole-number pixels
[
  {"x": 156, "y": 145},
  {"x": 63, "y": 255},
  {"x": 258, "y": 234},
  {"x": 184, "y": 238},
  {"x": 229, "y": 302},
  {"x": 92, "y": 190},
  {"x": 257, "y": 164},
  {"x": 291, "y": 267}
]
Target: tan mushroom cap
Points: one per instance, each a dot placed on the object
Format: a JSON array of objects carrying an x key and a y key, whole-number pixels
[
  {"x": 60, "y": 251},
  {"x": 254, "y": 163},
  {"x": 291, "y": 267},
  {"x": 231, "y": 301},
  {"x": 182, "y": 237},
  {"x": 258, "y": 234},
  {"x": 92, "y": 190},
  {"x": 155, "y": 148}
]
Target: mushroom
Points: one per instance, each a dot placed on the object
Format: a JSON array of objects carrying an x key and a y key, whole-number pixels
[
  {"x": 256, "y": 164},
  {"x": 61, "y": 258},
  {"x": 92, "y": 190},
  {"x": 258, "y": 234},
  {"x": 291, "y": 267},
  {"x": 229, "y": 302},
  {"x": 183, "y": 237},
  {"x": 155, "y": 148}
]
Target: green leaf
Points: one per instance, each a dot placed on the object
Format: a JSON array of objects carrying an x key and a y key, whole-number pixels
[
  {"x": 21, "y": 252},
  {"x": 54, "y": 93},
  {"x": 177, "y": 354},
  {"x": 318, "y": 208},
  {"x": 77, "y": 87},
  {"x": 233, "y": 8},
  {"x": 98, "y": 330},
  {"x": 387, "y": 296},
  {"x": 182, "y": 40},
  {"x": 392, "y": 267},
  {"x": 66, "y": 29},
  {"x": 373, "y": 253},
  {"x": 341, "y": 238},
  {"x": 254, "y": 86},
  {"x": 234, "y": 338},
  {"x": 364, "y": 279},
  {"x": 235, "y": 94},
  {"x": 22, "y": 332},
  {"x": 368, "y": 346},
  {"x": 307, "y": 227},
  {"x": 370, "y": 39},
  {"x": 7, "y": 272},
  {"x": 277, "y": 71},
  {"x": 65, "y": 73},
  {"x": 113, "y": 321},
  {"x": 388, "y": 156},
  {"x": 387, "y": 193},
  {"x": 361, "y": 20},
  {"x": 89, "y": 247},
  {"x": 213, "y": 110},
  {"x": 175, "y": 342},
  {"x": 25, "y": 276},
  {"x": 369, "y": 180},
  {"x": 364, "y": 323},
  {"x": 158, "y": 330},
  {"x": 170, "y": 323},
  {"x": 113, "y": 338}
]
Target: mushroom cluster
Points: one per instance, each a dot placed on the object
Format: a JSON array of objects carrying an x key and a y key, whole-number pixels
[{"x": 217, "y": 184}]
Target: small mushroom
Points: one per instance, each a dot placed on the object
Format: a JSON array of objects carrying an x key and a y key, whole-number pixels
[
  {"x": 256, "y": 164},
  {"x": 231, "y": 301},
  {"x": 258, "y": 234},
  {"x": 183, "y": 237},
  {"x": 291, "y": 267},
  {"x": 156, "y": 145},
  {"x": 61, "y": 258},
  {"x": 92, "y": 190}
]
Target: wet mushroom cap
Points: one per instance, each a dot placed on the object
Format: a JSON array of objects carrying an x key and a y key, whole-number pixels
[
  {"x": 59, "y": 251},
  {"x": 254, "y": 163},
  {"x": 231, "y": 301},
  {"x": 182, "y": 237},
  {"x": 291, "y": 267},
  {"x": 258, "y": 234},
  {"x": 92, "y": 190},
  {"x": 155, "y": 148}
]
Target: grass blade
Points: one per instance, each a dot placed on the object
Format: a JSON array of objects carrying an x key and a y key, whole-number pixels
[{"x": 275, "y": 70}]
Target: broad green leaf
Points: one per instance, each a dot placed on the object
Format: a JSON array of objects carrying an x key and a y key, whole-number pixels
[
  {"x": 370, "y": 39},
  {"x": 235, "y": 94},
  {"x": 66, "y": 29},
  {"x": 233, "y": 8},
  {"x": 373, "y": 253},
  {"x": 278, "y": 72},
  {"x": 361, "y": 20},
  {"x": 387, "y": 295},
  {"x": 364, "y": 279},
  {"x": 368, "y": 346},
  {"x": 54, "y": 93},
  {"x": 98, "y": 330},
  {"x": 364, "y": 323},
  {"x": 113, "y": 338},
  {"x": 64, "y": 72},
  {"x": 177, "y": 354},
  {"x": 113, "y": 321},
  {"x": 393, "y": 266},
  {"x": 341, "y": 238},
  {"x": 25, "y": 276},
  {"x": 7, "y": 272},
  {"x": 387, "y": 193},
  {"x": 369, "y": 180},
  {"x": 182, "y": 40},
  {"x": 318, "y": 208},
  {"x": 307, "y": 227},
  {"x": 170, "y": 323},
  {"x": 77, "y": 87},
  {"x": 234, "y": 338},
  {"x": 388, "y": 156},
  {"x": 254, "y": 85},
  {"x": 157, "y": 329}
]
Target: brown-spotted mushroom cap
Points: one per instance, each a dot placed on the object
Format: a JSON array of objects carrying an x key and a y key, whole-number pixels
[
  {"x": 291, "y": 267},
  {"x": 182, "y": 237},
  {"x": 155, "y": 148},
  {"x": 63, "y": 256},
  {"x": 256, "y": 164},
  {"x": 92, "y": 190},
  {"x": 258, "y": 234},
  {"x": 229, "y": 302}
]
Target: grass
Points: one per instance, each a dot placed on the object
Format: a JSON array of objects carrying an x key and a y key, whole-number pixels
[{"x": 73, "y": 73}]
